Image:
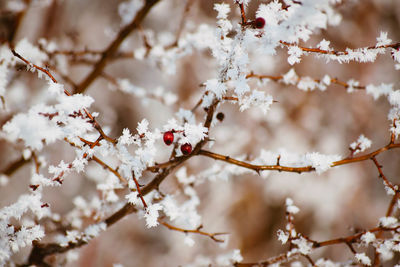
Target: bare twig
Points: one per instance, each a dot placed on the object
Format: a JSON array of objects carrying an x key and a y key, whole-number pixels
[
  {"x": 277, "y": 167},
  {"x": 213, "y": 236}
]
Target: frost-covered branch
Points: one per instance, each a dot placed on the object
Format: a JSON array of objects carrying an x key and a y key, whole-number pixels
[
  {"x": 213, "y": 236},
  {"x": 113, "y": 47}
]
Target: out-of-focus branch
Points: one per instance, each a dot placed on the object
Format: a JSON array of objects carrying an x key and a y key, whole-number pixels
[
  {"x": 113, "y": 47},
  {"x": 95, "y": 124},
  {"x": 13, "y": 167},
  {"x": 385, "y": 180},
  {"x": 188, "y": 5},
  {"x": 335, "y": 52}
]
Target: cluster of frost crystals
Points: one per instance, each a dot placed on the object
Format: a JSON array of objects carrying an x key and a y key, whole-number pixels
[
  {"x": 303, "y": 245},
  {"x": 290, "y": 207},
  {"x": 297, "y": 22},
  {"x": 366, "y": 54},
  {"x": 74, "y": 237},
  {"x": 11, "y": 239},
  {"x": 33, "y": 128},
  {"x": 394, "y": 98},
  {"x": 379, "y": 90},
  {"x": 227, "y": 259},
  {"x": 83, "y": 209},
  {"x": 183, "y": 213},
  {"x": 305, "y": 83},
  {"x": 190, "y": 132},
  {"x": 221, "y": 51},
  {"x": 394, "y": 117},
  {"x": 31, "y": 52},
  {"x": 394, "y": 113},
  {"x": 144, "y": 153},
  {"x": 223, "y": 171},
  {"x": 388, "y": 222},
  {"x": 232, "y": 57},
  {"x": 320, "y": 162},
  {"x": 389, "y": 247},
  {"x": 368, "y": 238},
  {"x": 7, "y": 60},
  {"x": 256, "y": 99},
  {"x": 152, "y": 214},
  {"x": 396, "y": 57},
  {"x": 283, "y": 236},
  {"x": 327, "y": 263},
  {"x": 45, "y": 124},
  {"x": 361, "y": 144},
  {"x": 164, "y": 50},
  {"x": 363, "y": 259}
]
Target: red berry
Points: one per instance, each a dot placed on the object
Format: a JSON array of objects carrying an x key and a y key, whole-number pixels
[
  {"x": 259, "y": 23},
  {"x": 186, "y": 149},
  {"x": 168, "y": 138}
]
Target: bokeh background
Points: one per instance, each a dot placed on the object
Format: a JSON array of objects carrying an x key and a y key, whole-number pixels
[{"x": 247, "y": 206}]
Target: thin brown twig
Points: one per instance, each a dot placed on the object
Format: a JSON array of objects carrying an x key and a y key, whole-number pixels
[
  {"x": 381, "y": 175},
  {"x": 139, "y": 191},
  {"x": 334, "y": 52},
  {"x": 181, "y": 24},
  {"x": 243, "y": 15},
  {"x": 36, "y": 161},
  {"x": 100, "y": 162},
  {"x": 213, "y": 236},
  {"x": 279, "y": 78}
]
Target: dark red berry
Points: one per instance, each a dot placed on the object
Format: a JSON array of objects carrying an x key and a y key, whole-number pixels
[
  {"x": 186, "y": 149},
  {"x": 168, "y": 138},
  {"x": 259, "y": 23},
  {"x": 220, "y": 116}
]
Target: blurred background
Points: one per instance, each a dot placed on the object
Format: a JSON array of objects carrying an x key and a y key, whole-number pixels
[{"x": 247, "y": 206}]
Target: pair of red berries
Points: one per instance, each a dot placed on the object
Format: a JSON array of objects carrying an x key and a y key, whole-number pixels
[{"x": 169, "y": 139}]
